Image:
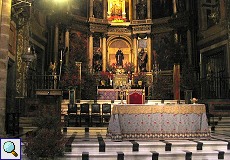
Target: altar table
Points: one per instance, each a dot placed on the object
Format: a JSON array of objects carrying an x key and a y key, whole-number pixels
[{"x": 167, "y": 121}]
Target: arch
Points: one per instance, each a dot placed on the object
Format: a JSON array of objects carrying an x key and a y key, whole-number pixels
[{"x": 119, "y": 42}]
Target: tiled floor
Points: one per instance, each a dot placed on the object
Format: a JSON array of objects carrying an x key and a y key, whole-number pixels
[{"x": 95, "y": 144}]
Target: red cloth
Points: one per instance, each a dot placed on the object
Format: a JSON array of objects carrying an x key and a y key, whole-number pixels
[{"x": 135, "y": 98}]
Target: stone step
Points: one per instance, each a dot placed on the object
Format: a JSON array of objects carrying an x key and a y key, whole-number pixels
[
  {"x": 25, "y": 121},
  {"x": 86, "y": 143}
]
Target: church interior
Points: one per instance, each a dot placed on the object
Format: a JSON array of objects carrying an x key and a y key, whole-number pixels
[{"x": 116, "y": 79}]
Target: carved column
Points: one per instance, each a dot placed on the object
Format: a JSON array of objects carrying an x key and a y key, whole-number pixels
[
  {"x": 90, "y": 8},
  {"x": 56, "y": 37},
  {"x": 104, "y": 53},
  {"x": 90, "y": 51},
  {"x": 67, "y": 46},
  {"x": 135, "y": 52},
  {"x": 134, "y": 9},
  {"x": 149, "y": 51},
  {"x": 5, "y": 13},
  {"x": 149, "y": 10}
]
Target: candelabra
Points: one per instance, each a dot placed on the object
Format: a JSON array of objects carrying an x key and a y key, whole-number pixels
[{"x": 122, "y": 89}]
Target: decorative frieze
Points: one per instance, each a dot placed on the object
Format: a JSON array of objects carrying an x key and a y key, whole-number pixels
[
  {"x": 98, "y": 28},
  {"x": 141, "y": 29},
  {"x": 119, "y": 29}
]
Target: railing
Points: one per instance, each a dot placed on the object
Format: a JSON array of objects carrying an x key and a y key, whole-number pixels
[
  {"x": 215, "y": 87},
  {"x": 41, "y": 82}
]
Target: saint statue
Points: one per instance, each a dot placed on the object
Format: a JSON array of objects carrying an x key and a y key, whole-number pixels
[
  {"x": 97, "y": 60},
  {"x": 116, "y": 9},
  {"x": 142, "y": 60},
  {"x": 53, "y": 68},
  {"x": 119, "y": 58}
]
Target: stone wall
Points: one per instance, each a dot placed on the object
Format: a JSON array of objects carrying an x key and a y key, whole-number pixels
[{"x": 5, "y": 8}]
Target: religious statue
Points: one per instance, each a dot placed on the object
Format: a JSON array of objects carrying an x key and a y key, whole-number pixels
[
  {"x": 142, "y": 60},
  {"x": 97, "y": 60},
  {"x": 141, "y": 10},
  {"x": 53, "y": 67},
  {"x": 116, "y": 9},
  {"x": 119, "y": 58}
]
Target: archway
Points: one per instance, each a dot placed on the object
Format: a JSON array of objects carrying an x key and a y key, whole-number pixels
[{"x": 114, "y": 45}]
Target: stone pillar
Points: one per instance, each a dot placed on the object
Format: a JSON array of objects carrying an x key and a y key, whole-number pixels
[
  {"x": 104, "y": 53},
  {"x": 123, "y": 10},
  {"x": 5, "y": 8},
  {"x": 149, "y": 51},
  {"x": 134, "y": 9},
  {"x": 67, "y": 46},
  {"x": 90, "y": 51},
  {"x": 176, "y": 81},
  {"x": 135, "y": 53},
  {"x": 174, "y": 7},
  {"x": 105, "y": 8},
  {"x": 90, "y": 8},
  {"x": 130, "y": 10},
  {"x": 56, "y": 38},
  {"x": 149, "y": 10}
]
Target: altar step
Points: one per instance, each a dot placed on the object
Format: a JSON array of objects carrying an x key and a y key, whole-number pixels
[
  {"x": 92, "y": 143},
  {"x": 222, "y": 124}
]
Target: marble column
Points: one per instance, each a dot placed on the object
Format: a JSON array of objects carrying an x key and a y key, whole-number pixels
[
  {"x": 104, "y": 53},
  {"x": 67, "y": 46},
  {"x": 90, "y": 51},
  {"x": 56, "y": 37},
  {"x": 135, "y": 53},
  {"x": 149, "y": 9},
  {"x": 90, "y": 8},
  {"x": 149, "y": 51},
  {"x": 5, "y": 8}
]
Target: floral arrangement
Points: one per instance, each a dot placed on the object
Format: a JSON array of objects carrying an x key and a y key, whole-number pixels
[
  {"x": 104, "y": 75},
  {"x": 117, "y": 19},
  {"x": 111, "y": 68},
  {"x": 69, "y": 80},
  {"x": 141, "y": 76},
  {"x": 129, "y": 67}
]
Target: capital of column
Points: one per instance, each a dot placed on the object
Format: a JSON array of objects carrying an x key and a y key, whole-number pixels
[
  {"x": 135, "y": 36},
  {"x": 103, "y": 35}
]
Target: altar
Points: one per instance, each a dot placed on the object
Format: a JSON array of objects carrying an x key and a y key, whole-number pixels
[
  {"x": 167, "y": 121},
  {"x": 113, "y": 94}
]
